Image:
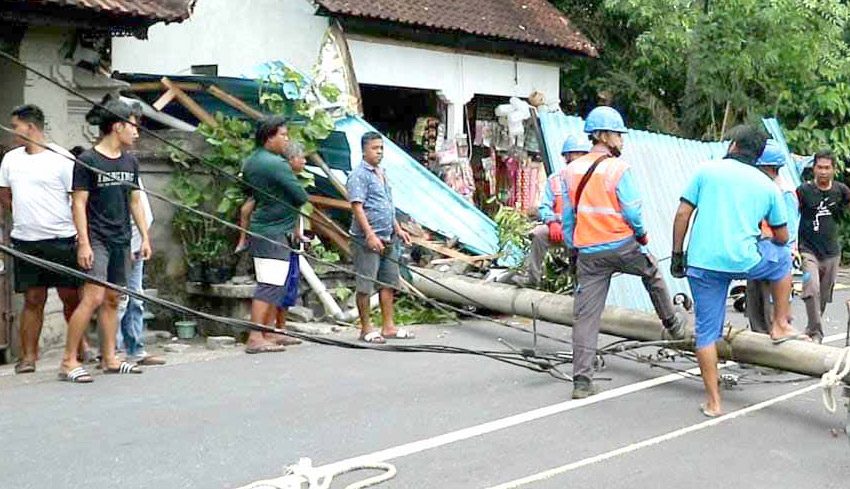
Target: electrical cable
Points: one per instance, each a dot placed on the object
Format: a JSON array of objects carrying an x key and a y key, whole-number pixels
[{"x": 274, "y": 198}]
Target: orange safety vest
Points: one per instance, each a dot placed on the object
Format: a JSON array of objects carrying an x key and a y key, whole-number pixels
[
  {"x": 598, "y": 217},
  {"x": 784, "y": 188},
  {"x": 557, "y": 191}
]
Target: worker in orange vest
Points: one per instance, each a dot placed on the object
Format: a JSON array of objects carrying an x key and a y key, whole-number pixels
[
  {"x": 551, "y": 208},
  {"x": 603, "y": 221}
]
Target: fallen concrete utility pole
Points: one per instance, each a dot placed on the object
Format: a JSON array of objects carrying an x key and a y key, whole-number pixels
[{"x": 740, "y": 345}]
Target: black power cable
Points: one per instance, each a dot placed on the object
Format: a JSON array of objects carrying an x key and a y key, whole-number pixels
[{"x": 274, "y": 198}]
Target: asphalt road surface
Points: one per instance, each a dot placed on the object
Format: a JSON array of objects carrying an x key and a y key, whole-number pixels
[{"x": 226, "y": 420}]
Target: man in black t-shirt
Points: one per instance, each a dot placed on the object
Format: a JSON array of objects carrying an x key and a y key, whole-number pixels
[
  {"x": 822, "y": 201},
  {"x": 105, "y": 195}
]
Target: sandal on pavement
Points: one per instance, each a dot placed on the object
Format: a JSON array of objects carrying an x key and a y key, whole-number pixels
[
  {"x": 123, "y": 368},
  {"x": 373, "y": 337},
  {"x": 703, "y": 408},
  {"x": 266, "y": 348},
  {"x": 798, "y": 336},
  {"x": 151, "y": 360},
  {"x": 401, "y": 334},
  {"x": 24, "y": 367},
  {"x": 78, "y": 375}
]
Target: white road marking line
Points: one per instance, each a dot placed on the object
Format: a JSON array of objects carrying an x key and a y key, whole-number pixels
[
  {"x": 511, "y": 421},
  {"x": 503, "y": 423},
  {"x": 652, "y": 441}
]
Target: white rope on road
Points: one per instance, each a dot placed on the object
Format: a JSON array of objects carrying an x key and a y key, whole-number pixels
[
  {"x": 296, "y": 476},
  {"x": 832, "y": 378}
]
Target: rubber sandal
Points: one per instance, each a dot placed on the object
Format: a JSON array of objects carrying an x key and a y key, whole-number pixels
[
  {"x": 401, "y": 334},
  {"x": 151, "y": 360},
  {"x": 123, "y": 368},
  {"x": 76, "y": 376},
  {"x": 267, "y": 348},
  {"x": 24, "y": 367},
  {"x": 373, "y": 337},
  {"x": 798, "y": 336},
  {"x": 287, "y": 341},
  {"x": 708, "y": 414}
]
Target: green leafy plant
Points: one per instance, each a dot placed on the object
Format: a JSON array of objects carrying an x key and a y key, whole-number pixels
[
  {"x": 556, "y": 277},
  {"x": 514, "y": 231},
  {"x": 409, "y": 311}
]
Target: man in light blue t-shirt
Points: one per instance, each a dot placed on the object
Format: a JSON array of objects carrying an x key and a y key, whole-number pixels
[{"x": 731, "y": 198}]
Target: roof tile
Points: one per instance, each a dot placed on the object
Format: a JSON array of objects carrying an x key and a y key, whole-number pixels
[
  {"x": 529, "y": 21},
  {"x": 162, "y": 10}
]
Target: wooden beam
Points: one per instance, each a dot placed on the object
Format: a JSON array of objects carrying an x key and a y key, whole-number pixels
[
  {"x": 235, "y": 103},
  {"x": 317, "y": 159},
  {"x": 190, "y": 104},
  {"x": 445, "y": 251},
  {"x": 324, "y": 230},
  {"x": 164, "y": 100},
  {"x": 157, "y": 86},
  {"x": 330, "y": 223},
  {"x": 329, "y": 203}
]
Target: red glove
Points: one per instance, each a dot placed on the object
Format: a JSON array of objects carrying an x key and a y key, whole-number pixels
[
  {"x": 643, "y": 240},
  {"x": 556, "y": 232}
]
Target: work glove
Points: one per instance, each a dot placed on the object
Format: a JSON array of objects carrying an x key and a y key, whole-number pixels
[
  {"x": 643, "y": 239},
  {"x": 556, "y": 232},
  {"x": 678, "y": 264}
]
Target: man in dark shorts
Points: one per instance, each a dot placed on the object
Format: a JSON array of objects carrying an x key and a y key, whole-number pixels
[
  {"x": 269, "y": 173},
  {"x": 35, "y": 185},
  {"x": 103, "y": 202},
  {"x": 374, "y": 235},
  {"x": 822, "y": 201}
]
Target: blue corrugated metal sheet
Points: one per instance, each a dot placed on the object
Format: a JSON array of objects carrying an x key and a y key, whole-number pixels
[
  {"x": 663, "y": 166},
  {"x": 416, "y": 191},
  {"x": 420, "y": 194}
]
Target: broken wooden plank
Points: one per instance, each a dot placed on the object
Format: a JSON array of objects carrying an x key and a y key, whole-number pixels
[
  {"x": 317, "y": 159},
  {"x": 164, "y": 100},
  {"x": 235, "y": 103},
  {"x": 157, "y": 86},
  {"x": 189, "y": 103},
  {"x": 443, "y": 250},
  {"x": 328, "y": 232},
  {"x": 329, "y": 203}
]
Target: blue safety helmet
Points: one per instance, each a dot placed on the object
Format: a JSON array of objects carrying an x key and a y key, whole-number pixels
[
  {"x": 576, "y": 144},
  {"x": 604, "y": 119},
  {"x": 773, "y": 155}
]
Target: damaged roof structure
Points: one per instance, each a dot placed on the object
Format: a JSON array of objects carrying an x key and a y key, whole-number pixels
[
  {"x": 474, "y": 24},
  {"x": 116, "y": 16}
]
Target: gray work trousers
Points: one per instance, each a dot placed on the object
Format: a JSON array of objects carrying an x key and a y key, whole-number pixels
[
  {"x": 539, "y": 247},
  {"x": 594, "y": 278},
  {"x": 818, "y": 282},
  {"x": 759, "y": 306}
]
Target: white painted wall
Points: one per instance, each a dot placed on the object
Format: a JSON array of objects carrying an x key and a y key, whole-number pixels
[
  {"x": 458, "y": 76},
  {"x": 234, "y": 34},
  {"x": 238, "y": 35}
]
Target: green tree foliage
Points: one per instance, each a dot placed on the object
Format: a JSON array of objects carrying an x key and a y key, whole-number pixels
[{"x": 696, "y": 68}]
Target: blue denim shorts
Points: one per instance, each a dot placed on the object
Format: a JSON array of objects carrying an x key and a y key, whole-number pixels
[{"x": 710, "y": 289}]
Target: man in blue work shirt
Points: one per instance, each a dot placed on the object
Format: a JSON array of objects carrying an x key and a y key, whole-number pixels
[
  {"x": 759, "y": 308},
  {"x": 604, "y": 222},
  {"x": 732, "y": 198},
  {"x": 375, "y": 233},
  {"x": 550, "y": 233}
]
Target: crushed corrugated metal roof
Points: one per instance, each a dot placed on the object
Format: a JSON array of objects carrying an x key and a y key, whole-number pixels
[
  {"x": 535, "y": 22},
  {"x": 663, "y": 166},
  {"x": 164, "y": 10},
  {"x": 416, "y": 191}
]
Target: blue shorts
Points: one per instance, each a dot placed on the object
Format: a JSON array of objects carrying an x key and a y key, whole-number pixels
[{"x": 710, "y": 288}]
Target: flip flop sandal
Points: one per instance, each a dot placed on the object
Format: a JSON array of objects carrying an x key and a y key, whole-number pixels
[
  {"x": 151, "y": 360},
  {"x": 708, "y": 414},
  {"x": 269, "y": 348},
  {"x": 373, "y": 337},
  {"x": 76, "y": 376},
  {"x": 288, "y": 341},
  {"x": 401, "y": 334},
  {"x": 799, "y": 336},
  {"x": 123, "y": 368},
  {"x": 24, "y": 367}
]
